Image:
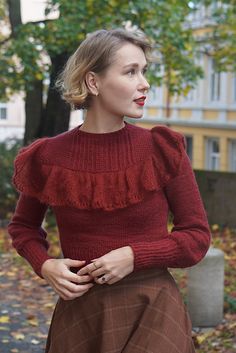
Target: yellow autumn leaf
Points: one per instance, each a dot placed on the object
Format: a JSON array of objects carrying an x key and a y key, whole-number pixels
[
  {"x": 227, "y": 257},
  {"x": 18, "y": 335},
  {"x": 4, "y": 319},
  {"x": 33, "y": 322},
  {"x": 233, "y": 325},
  {"x": 203, "y": 337},
  {"x": 4, "y": 328},
  {"x": 49, "y": 305},
  {"x": 11, "y": 274},
  {"x": 215, "y": 227}
]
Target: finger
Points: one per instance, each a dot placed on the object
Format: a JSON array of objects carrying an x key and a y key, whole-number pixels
[
  {"x": 97, "y": 273},
  {"x": 76, "y": 288},
  {"x": 88, "y": 269},
  {"x": 77, "y": 278},
  {"x": 83, "y": 271},
  {"x": 74, "y": 263},
  {"x": 67, "y": 295},
  {"x": 85, "y": 278}
]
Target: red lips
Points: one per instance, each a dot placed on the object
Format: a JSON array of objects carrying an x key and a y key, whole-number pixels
[{"x": 140, "y": 100}]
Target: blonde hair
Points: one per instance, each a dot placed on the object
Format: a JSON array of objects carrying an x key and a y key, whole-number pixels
[{"x": 96, "y": 53}]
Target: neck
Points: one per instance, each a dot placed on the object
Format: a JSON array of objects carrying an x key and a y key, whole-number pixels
[{"x": 100, "y": 124}]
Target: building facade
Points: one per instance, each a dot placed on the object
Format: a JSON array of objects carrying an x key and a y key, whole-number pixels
[
  {"x": 207, "y": 116},
  {"x": 12, "y": 118}
]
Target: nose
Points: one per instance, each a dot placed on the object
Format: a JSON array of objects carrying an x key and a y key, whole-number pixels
[{"x": 143, "y": 84}]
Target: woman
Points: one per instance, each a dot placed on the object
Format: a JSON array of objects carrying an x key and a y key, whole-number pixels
[{"x": 111, "y": 185}]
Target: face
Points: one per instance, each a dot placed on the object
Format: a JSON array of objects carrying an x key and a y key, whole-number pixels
[{"x": 123, "y": 83}]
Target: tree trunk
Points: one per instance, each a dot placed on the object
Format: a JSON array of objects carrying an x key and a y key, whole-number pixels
[
  {"x": 56, "y": 117},
  {"x": 14, "y": 15},
  {"x": 168, "y": 98},
  {"x": 33, "y": 100},
  {"x": 168, "y": 104},
  {"x": 33, "y": 111}
]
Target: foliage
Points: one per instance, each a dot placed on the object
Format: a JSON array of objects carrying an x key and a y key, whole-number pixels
[
  {"x": 220, "y": 43},
  {"x": 8, "y": 195},
  {"x": 224, "y": 38},
  {"x": 174, "y": 44},
  {"x": 26, "y": 57}
]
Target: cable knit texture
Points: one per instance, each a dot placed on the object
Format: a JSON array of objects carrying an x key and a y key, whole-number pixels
[{"x": 110, "y": 190}]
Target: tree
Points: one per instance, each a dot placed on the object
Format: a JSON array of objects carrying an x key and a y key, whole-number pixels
[
  {"x": 25, "y": 67},
  {"x": 223, "y": 36},
  {"x": 165, "y": 23},
  {"x": 25, "y": 52}
]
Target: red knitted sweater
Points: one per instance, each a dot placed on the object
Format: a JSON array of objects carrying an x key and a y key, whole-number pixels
[{"x": 110, "y": 190}]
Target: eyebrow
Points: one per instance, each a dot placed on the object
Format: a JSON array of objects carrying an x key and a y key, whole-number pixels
[{"x": 136, "y": 65}]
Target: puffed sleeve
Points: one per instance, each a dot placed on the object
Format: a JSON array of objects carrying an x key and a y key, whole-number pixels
[
  {"x": 25, "y": 227},
  {"x": 189, "y": 239}
]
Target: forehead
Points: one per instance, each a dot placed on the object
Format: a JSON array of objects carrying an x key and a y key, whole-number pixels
[{"x": 128, "y": 54}]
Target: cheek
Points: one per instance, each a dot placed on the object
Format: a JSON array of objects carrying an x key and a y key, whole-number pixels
[{"x": 122, "y": 89}]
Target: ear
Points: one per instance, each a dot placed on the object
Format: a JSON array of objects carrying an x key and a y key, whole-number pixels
[{"x": 92, "y": 82}]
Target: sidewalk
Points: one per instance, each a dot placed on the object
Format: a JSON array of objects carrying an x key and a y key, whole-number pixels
[{"x": 26, "y": 308}]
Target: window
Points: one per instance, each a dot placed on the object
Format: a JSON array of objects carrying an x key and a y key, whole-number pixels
[
  {"x": 234, "y": 88},
  {"x": 232, "y": 155},
  {"x": 215, "y": 78},
  {"x": 3, "y": 113},
  {"x": 189, "y": 150},
  {"x": 212, "y": 154}
]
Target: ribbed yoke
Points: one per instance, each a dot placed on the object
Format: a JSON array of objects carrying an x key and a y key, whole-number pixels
[
  {"x": 111, "y": 151},
  {"x": 104, "y": 152},
  {"x": 108, "y": 191}
]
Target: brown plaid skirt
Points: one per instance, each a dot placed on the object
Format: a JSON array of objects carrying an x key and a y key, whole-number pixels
[{"x": 142, "y": 313}]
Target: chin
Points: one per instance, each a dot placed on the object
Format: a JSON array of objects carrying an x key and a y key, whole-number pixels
[{"x": 135, "y": 116}]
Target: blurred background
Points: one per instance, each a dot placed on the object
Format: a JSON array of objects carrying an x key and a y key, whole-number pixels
[{"x": 193, "y": 91}]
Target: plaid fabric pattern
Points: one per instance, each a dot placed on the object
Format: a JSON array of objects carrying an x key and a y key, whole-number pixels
[{"x": 142, "y": 313}]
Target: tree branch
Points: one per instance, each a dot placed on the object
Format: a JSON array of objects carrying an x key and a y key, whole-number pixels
[{"x": 40, "y": 21}]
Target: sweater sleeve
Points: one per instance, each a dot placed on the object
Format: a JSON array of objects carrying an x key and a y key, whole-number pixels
[
  {"x": 189, "y": 239},
  {"x": 28, "y": 236}
]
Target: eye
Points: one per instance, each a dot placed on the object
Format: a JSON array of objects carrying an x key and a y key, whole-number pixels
[
  {"x": 144, "y": 72},
  {"x": 131, "y": 72}
]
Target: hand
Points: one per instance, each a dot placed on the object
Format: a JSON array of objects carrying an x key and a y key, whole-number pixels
[
  {"x": 114, "y": 266},
  {"x": 64, "y": 282}
]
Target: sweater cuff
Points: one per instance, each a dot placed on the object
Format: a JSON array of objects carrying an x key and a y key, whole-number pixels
[
  {"x": 158, "y": 254},
  {"x": 36, "y": 255}
]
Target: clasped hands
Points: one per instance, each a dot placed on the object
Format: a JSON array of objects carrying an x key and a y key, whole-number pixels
[{"x": 112, "y": 267}]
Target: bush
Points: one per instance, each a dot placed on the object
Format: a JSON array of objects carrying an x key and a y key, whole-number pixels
[{"x": 8, "y": 195}]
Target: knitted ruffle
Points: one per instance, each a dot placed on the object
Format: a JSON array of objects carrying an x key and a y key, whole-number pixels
[{"x": 58, "y": 186}]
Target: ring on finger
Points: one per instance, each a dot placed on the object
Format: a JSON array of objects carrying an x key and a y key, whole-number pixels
[
  {"x": 95, "y": 265},
  {"x": 103, "y": 279}
]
